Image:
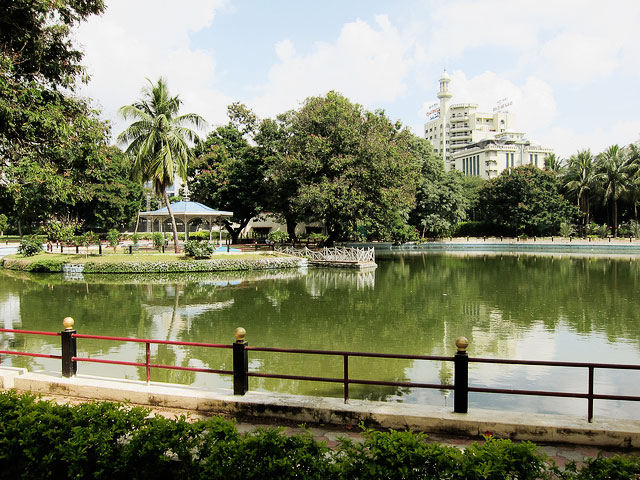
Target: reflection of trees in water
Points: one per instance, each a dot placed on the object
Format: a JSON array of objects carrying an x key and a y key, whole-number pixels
[{"x": 412, "y": 304}]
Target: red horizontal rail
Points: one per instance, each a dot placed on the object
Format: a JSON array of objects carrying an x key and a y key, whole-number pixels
[
  {"x": 32, "y": 332},
  {"x": 351, "y": 354},
  {"x": 162, "y": 342},
  {"x": 544, "y": 363},
  {"x": 350, "y": 381},
  {"x": 151, "y": 365},
  {"x": 25, "y": 354}
]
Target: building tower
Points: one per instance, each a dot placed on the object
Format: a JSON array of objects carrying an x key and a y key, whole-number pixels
[{"x": 444, "y": 95}]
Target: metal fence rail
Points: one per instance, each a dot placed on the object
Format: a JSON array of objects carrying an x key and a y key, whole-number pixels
[{"x": 240, "y": 353}]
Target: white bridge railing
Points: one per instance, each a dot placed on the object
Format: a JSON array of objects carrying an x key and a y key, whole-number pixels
[{"x": 335, "y": 254}]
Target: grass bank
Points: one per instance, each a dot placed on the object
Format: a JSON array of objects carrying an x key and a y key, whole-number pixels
[{"x": 149, "y": 262}]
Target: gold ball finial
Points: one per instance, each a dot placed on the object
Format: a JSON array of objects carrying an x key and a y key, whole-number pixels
[
  {"x": 239, "y": 333},
  {"x": 68, "y": 323},
  {"x": 462, "y": 343}
]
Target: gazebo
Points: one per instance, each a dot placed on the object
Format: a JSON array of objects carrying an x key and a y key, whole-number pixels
[{"x": 186, "y": 211}]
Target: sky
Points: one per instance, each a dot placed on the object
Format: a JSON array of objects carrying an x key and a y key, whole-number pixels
[{"x": 570, "y": 68}]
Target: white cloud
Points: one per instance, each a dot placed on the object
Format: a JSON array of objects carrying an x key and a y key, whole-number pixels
[
  {"x": 368, "y": 64},
  {"x": 534, "y": 105},
  {"x": 133, "y": 41}
]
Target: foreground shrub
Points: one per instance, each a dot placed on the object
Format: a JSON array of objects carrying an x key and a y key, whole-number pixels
[
  {"x": 30, "y": 245},
  {"x": 40, "y": 439},
  {"x": 199, "y": 249}
]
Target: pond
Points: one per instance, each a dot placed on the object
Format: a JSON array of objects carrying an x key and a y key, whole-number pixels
[{"x": 513, "y": 306}]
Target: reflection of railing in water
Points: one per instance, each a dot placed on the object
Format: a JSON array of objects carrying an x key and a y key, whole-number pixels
[
  {"x": 334, "y": 254},
  {"x": 241, "y": 373},
  {"x": 345, "y": 278}
]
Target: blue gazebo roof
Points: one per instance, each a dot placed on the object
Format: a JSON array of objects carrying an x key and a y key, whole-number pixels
[{"x": 187, "y": 209}]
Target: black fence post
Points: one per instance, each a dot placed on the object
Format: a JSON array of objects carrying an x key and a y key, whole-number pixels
[
  {"x": 461, "y": 377},
  {"x": 240, "y": 363},
  {"x": 100, "y": 248},
  {"x": 69, "y": 366}
]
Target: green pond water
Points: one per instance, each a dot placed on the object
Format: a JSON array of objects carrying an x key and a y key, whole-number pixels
[{"x": 513, "y": 306}]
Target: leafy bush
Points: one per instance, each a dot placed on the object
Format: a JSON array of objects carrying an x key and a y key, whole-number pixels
[
  {"x": 41, "y": 439},
  {"x": 113, "y": 237},
  {"x": 158, "y": 239},
  {"x": 201, "y": 235},
  {"x": 476, "y": 229},
  {"x": 599, "y": 230},
  {"x": 199, "y": 249},
  {"x": 317, "y": 237},
  {"x": 30, "y": 246},
  {"x": 278, "y": 236},
  {"x": 566, "y": 230},
  {"x": 135, "y": 238}
]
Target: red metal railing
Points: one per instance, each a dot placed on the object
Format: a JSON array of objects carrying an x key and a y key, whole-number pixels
[
  {"x": 27, "y": 354},
  {"x": 147, "y": 364},
  {"x": 241, "y": 372}
]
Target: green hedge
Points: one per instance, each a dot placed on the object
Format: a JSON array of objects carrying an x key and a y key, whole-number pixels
[{"x": 40, "y": 439}]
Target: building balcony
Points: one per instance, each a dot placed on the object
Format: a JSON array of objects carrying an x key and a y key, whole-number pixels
[
  {"x": 458, "y": 129},
  {"x": 464, "y": 118}
]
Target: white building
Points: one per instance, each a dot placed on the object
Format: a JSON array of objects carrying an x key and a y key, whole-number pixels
[{"x": 476, "y": 143}]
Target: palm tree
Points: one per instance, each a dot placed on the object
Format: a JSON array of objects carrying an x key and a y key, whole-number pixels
[
  {"x": 580, "y": 179},
  {"x": 158, "y": 141},
  {"x": 615, "y": 170},
  {"x": 634, "y": 191},
  {"x": 553, "y": 164}
]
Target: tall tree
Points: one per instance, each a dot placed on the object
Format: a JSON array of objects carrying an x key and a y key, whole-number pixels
[
  {"x": 580, "y": 179},
  {"x": 525, "y": 200},
  {"x": 440, "y": 202},
  {"x": 158, "y": 140},
  {"x": 614, "y": 172},
  {"x": 352, "y": 166},
  {"x": 46, "y": 133},
  {"x": 228, "y": 174}
]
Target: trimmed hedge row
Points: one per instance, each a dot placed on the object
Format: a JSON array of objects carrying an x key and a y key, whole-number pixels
[
  {"x": 214, "y": 265},
  {"x": 40, "y": 439}
]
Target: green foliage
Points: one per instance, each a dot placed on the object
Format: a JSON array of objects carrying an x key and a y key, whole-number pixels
[
  {"x": 39, "y": 263},
  {"x": 4, "y": 221},
  {"x": 199, "y": 248},
  {"x": 158, "y": 139},
  {"x": 601, "y": 231},
  {"x": 317, "y": 237},
  {"x": 229, "y": 173},
  {"x": 566, "y": 230},
  {"x": 525, "y": 200},
  {"x": 475, "y": 229},
  {"x": 333, "y": 160},
  {"x": 30, "y": 246},
  {"x": 396, "y": 455},
  {"x": 60, "y": 231},
  {"x": 615, "y": 468},
  {"x": 158, "y": 239},
  {"x": 201, "y": 235},
  {"x": 135, "y": 238},
  {"x": 41, "y": 439},
  {"x": 278, "y": 236},
  {"x": 113, "y": 237}
]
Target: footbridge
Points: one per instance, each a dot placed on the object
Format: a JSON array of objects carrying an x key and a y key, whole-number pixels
[{"x": 348, "y": 257}]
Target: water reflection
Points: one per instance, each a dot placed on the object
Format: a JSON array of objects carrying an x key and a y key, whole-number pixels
[{"x": 546, "y": 307}]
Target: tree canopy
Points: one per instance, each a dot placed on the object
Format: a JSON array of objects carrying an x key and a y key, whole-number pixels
[{"x": 526, "y": 200}]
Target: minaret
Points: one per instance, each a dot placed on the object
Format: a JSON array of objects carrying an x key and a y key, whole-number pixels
[{"x": 444, "y": 95}]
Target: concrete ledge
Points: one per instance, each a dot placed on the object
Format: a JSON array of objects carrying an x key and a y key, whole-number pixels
[
  {"x": 8, "y": 374},
  {"x": 332, "y": 411}
]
